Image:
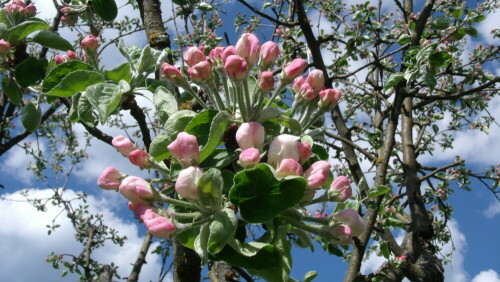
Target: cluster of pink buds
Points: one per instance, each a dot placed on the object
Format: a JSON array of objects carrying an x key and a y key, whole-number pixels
[
  {"x": 136, "y": 156},
  {"x": 89, "y": 44},
  {"x": 250, "y": 137},
  {"x": 18, "y": 11},
  {"x": 69, "y": 17},
  {"x": 4, "y": 47},
  {"x": 70, "y": 55}
]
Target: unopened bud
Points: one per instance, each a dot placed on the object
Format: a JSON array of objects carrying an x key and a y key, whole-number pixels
[
  {"x": 123, "y": 145},
  {"x": 136, "y": 189}
]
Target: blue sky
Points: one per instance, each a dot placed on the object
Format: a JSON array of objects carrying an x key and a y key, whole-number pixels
[{"x": 23, "y": 235}]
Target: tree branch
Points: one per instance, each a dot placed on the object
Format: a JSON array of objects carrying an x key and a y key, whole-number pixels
[{"x": 271, "y": 19}]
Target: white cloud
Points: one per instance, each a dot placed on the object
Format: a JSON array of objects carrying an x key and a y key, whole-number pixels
[
  {"x": 489, "y": 275},
  {"x": 16, "y": 161},
  {"x": 24, "y": 238},
  {"x": 487, "y": 25},
  {"x": 493, "y": 209}
]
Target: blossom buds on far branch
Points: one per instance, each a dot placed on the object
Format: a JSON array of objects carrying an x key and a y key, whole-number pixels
[
  {"x": 185, "y": 149},
  {"x": 110, "y": 179},
  {"x": 136, "y": 190},
  {"x": 250, "y": 134},
  {"x": 123, "y": 145}
]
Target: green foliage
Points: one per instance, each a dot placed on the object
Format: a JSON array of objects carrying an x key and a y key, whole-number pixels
[
  {"x": 31, "y": 116},
  {"x": 52, "y": 40},
  {"x": 106, "y": 9},
  {"x": 29, "y": 71}
]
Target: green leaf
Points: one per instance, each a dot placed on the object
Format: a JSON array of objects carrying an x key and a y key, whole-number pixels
[
  {"x": 471, "y": 31},
  {"x": 228, "y": 179},
  {"x": 178, "y": 121},
  {"x": 106, "y": 97},
  {"x": 403, "y": 39},
  {"x": 268, "y": 113},
  {"x": 456, "y": 12},
  {"x": 201, "y": 243},
  {"x": 120, "y": 72},
  {"x": 50, "y": 39},
  {"x": 222, "y": 229},
  {"x": 29, "y": 71},
  {"x": 430, "y": 81},
  {"x": 131, "y": 53},
  {"x": 200, "y": 126},
  {"x": 254, "y": 255},
  {"x": 261, "y": 197},
  {"x": 165, "y": 103},
  {"x": 85, "y": 111},
  {"x": 440, "y": 59},
  {"x": 24, "y": 29},
  {"x": 31, "y": 116},
  {"x": 73, "y": 111},
  {"x": 310, "y": 275},
  {"x": 148, "y": 60},
  {"x": 106, "y": 9},
  {"x": 393, "y": 80},
  {"x": 219, "y": 158},
  {"x": 384, "y": 249},
  {"x": 158, "y": 149},
  {"x": 460, "y": 33},
  {"x": 378, "y": 191},
  {"x": 424, "y": 54},
  {"x": 12, "y": 90},
  {"x": 3, "y": 19},
  {"x": 188, "y": 237},
  {"x": 440, "y": 23},
  {"x": 290, "y": 123},
  {"x": 75, "y": 82},
  {"x": 217, "y": 128},
  {"x": 55, "y": 75},
  {"x": 210, "y": 187}
]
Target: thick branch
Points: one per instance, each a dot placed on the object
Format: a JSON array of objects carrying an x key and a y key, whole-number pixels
[{"x": 141, "y": 259}]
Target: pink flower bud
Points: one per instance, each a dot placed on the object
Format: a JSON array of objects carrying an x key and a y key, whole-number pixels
[
  {"x": 329, "y": 98},
  {"x": 236, "y": 67},
  {"x": 4, "y": 47},
  {"x": 266, "y": 81},
  {"x": 200, "y": 72},
  {"x": 140, "y": 159},
  {"x": 160, "y": 227},
  {"x": 352, "y": 219},
  {"x": 89, "y": 44},
  {"x": 269, "y": 53},
  {"x": 194, "y": 55},
  {"x": 136, "y": 190},
  {"x": 123, "y": 145},
  {"x": 297, "y": 83},
  {"x": 294, "y": 69},
  {"x": 187, "y": 182},
  {"x": 110, "y": 179},
  {"x": 340, "y": 190},
  {"x": 305, "y": 152},
  {"x": 307, "y": 92},
  {"x": 138, "y": 209},
  {"x": 70, "y": 55},
  {"x": 289, "y": 167},
  {"x": 216, "y": 54},
  {"x": 284, "y": 146},
  {"x": 228, "y": 51},
  {"x": 173, "y": 74},
  {"x": 248, "y": 47},
  {"x": 343, "y": 235},
  {"x": 157, "y": 225},
  {"x": 250, "y": 134},
  {"x": 185, "y": 149},
  {"x": 29, "y": 10},
  {"x": 65, "y": 10},
  {"x": 317, "y": 174},
  {"x": 59, "y": 59},
  {"x": 18, "y": 3},
  {"x": 249, "y": 157},
  {"x": 316, "y": 79}
]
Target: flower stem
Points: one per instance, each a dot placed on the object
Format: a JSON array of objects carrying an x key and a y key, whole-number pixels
[
  {"x": 196, "y": 97},
  {"x": 175, "y": 202}
]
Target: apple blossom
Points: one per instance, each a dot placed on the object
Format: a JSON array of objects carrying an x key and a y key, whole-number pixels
[
  {"x": 289, "y": 167},
  {"x": 194, "y": 55},
  {"x": 294, "y": 69},
  {"x": 185, "y": 149},
  {"x": 249, "y": 157},
  {"x": 266, "y": 81},
  {"x": 316, "y": 79},
  {"x": 248, "y": 47},
  {"x": 284, "y": 146},
  {"x": 187, "y": 182},
  {"x": 317, "y": 174},
  {"x": 110, "y": 178},
  {"x": 200, "y": 72},
  {"x": 140, "y": 158},
  {"x": 269, "y": 53},
  {"x": 340, "y": 190},
  {"x": 136, "y": 189},
  {"x": 236, "y": 67},
  {"x": 352, "y": 219},
  {"x": 123, "y": 145},
  {"x": 4, "y": 47},
  {"x": 250, "y": 134}
]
